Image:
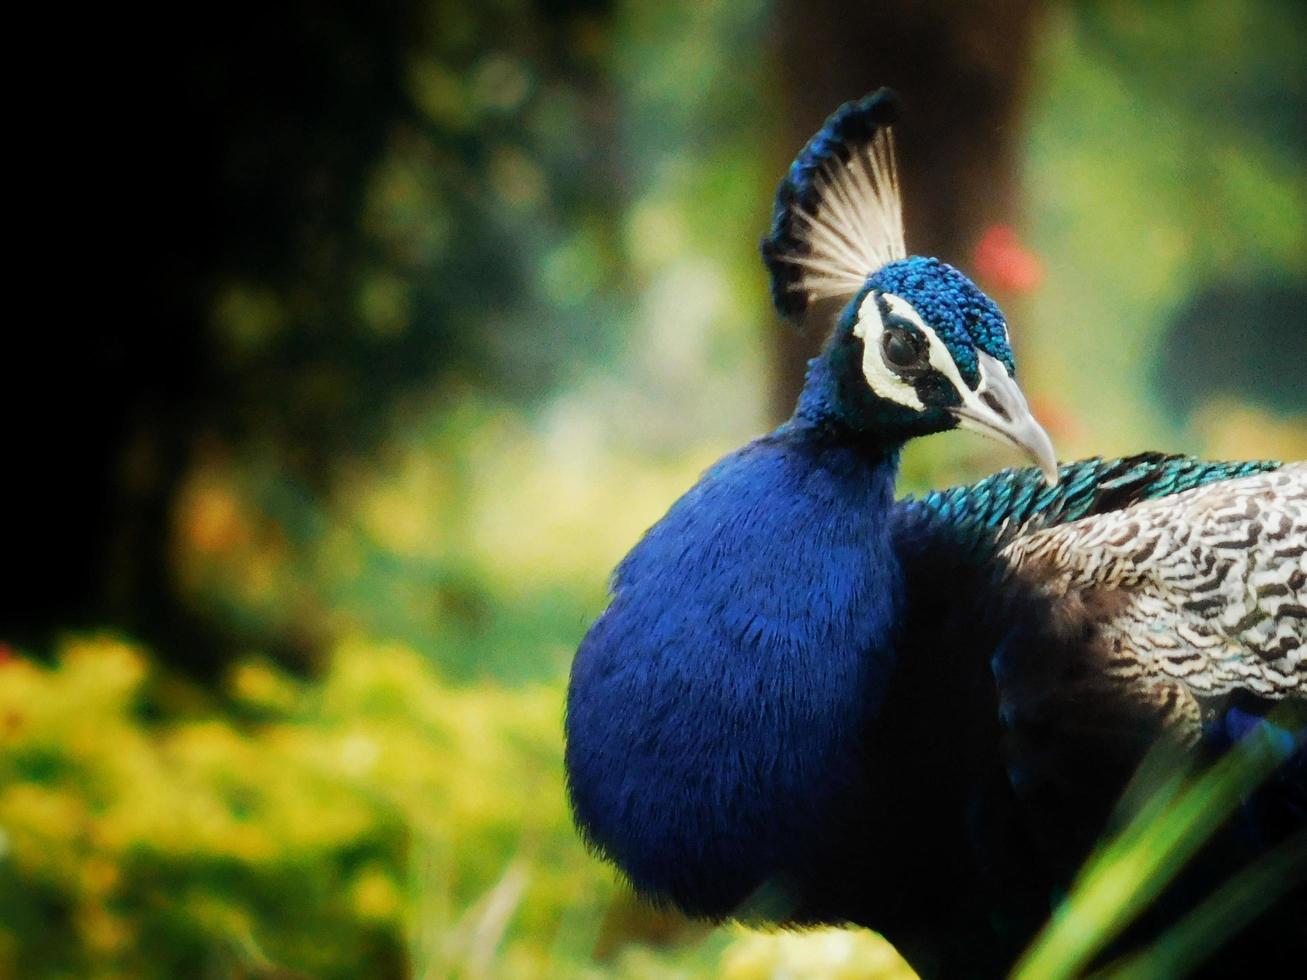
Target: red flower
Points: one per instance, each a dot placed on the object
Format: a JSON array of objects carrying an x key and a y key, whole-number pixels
[{"x": 1003, "y": 263}]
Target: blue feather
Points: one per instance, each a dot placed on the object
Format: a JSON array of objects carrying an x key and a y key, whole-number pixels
[
  {"x": 704, "y": 791},
  {"x": 967, "y": 319}
]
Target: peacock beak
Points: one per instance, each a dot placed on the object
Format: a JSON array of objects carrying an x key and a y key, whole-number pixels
[{"x": 998, "y": 409}]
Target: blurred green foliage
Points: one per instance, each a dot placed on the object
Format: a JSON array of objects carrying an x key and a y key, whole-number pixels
[
  {"x": 1169, "y": 813},
  {"x": 1165, "y": 159},
  {"x": 376, "y": 822},
  {"x": 557, "y": 243}
]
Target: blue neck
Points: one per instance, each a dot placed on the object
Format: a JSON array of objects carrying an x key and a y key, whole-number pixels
[
  {"x": 717, "y": 707},
  {"x": 818, "y": 414}
]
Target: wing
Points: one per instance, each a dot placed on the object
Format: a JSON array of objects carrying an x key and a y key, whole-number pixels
[
  {"x": 1016, "y": 595},
  {"x": 1193, "y": 611},
  {"x": 1204, "y": 592},
  {"x": 1019, "y": 501}
]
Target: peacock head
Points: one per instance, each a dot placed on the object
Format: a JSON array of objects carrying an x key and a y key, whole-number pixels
[{"x": 916, "y": 347}]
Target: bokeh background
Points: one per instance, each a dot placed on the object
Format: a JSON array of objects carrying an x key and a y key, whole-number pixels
[{"x": 408, "y": 318}]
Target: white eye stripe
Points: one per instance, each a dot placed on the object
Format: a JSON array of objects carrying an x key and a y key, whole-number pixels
[
  {"x": 885, "y": 382},
  {"x": 940, "y": 357},
  {"x": 880, "y": 378}
]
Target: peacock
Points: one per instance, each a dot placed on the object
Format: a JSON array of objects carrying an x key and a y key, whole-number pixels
[{"x": 809, "y": 702}]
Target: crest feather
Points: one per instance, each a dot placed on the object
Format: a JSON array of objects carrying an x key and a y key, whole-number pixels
[{"x": 838, "y": 215}]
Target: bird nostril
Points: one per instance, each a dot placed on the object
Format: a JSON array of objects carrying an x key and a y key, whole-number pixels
[{"x": 993, "y": 403}]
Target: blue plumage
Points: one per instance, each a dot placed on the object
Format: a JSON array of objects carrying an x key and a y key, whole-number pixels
[
  {"x": 1020, "y": 499},
  {"x": 703, "y": 791},
  {"x": 809, "y": 702},
  {"x": 967, "y": 319}
]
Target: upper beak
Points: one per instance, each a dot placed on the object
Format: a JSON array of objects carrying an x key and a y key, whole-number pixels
[{"x": 998, "y": 409}]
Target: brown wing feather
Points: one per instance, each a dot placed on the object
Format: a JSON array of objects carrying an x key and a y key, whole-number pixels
[{"x": 1211, "y": 586}]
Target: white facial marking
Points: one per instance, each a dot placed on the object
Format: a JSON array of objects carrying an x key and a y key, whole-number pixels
[
  {"x": 937, "y": 352},
  {"x": 883, "y": 381}
]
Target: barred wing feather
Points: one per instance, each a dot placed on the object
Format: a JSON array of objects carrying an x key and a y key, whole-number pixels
[{"x": 1209, "y": 586}]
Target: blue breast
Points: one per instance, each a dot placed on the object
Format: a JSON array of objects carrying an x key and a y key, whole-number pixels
[{"x": 715, "y": 707}]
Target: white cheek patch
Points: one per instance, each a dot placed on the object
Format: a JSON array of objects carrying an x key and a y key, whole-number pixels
[{"x": 880, "y": 378}]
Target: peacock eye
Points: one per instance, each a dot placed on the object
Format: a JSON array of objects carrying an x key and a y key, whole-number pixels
[{"x": 903, "y": 349}]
